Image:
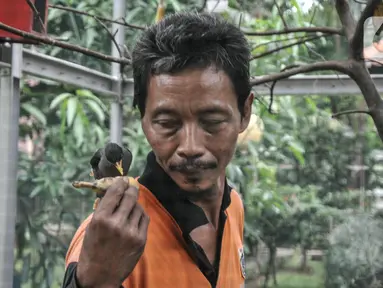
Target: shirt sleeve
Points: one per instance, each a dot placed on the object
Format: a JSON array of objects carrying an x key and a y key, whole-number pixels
[
  {"x": 70, "y": 280},
  {"x": 73, "y": 254}
]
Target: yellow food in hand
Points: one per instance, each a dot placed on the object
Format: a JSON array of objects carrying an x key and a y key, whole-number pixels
[{"x": 103, "y": 184}]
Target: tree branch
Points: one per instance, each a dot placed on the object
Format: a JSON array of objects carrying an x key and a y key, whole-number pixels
[
  {"x": 361, "y": 76},
  {"x": 273, "y": 86},
  {"x": 326, "y": 30},
  {"x": 285, "y": 47},
  {"x": 350, "y": 112},
  {"x": 357, "y": 39},
  {"x": 203, "y": 6},
  {"x": 346, "y": 18},
  {"x": 281, "y": 15},
  {"x": 113, "y": 38},
  {"x": 277, "y": 41},
  {"x": 75, "y": 11},
  {"x": 37, "y": 15},
  {"x": 50, "y": 41},
  {"x": 340, "y": 66}
]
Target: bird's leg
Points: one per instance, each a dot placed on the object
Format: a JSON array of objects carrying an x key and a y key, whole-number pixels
[
  {"x": 91, "y": 174},
  {"x": 119, "y": 167}
]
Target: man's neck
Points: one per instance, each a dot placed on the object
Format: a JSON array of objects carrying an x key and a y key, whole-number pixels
[{"x": 212, "y": 205}]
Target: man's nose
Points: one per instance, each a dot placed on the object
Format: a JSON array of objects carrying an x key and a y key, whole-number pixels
[{"x": 191, "y": 143}]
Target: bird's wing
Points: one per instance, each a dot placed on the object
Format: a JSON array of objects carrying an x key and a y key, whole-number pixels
[
  {"x": 126, "y": 160},
  {"x": 96, "y": 158}
]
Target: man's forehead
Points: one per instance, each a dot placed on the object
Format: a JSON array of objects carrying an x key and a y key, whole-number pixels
[{"x": 202, "y": 78}]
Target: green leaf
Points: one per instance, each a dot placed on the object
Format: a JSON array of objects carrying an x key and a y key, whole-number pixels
[
  {"x": 95, "y": 107},
  {"x": 100, "y": 134},
  {"x": 35, "y": 112},
  {"x": 59, "y": 99},
  {"x": 298, "y": 151},
  {"x": 78, "y": 131},
  {"x": 36, "y": 191},
  {"x": 71, "y": 110}
]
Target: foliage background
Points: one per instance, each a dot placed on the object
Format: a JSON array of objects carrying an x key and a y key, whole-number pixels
[{"x": 297, "y": 178}]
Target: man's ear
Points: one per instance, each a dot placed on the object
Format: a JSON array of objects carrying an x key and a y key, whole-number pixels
[{"x": 247, "y": 109}]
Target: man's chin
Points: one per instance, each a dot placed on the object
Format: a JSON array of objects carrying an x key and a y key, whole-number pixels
[{"x": 192, "y": 183}]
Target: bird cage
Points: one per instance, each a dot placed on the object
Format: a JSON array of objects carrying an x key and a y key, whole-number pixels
[{"x": 25, "y": 15}]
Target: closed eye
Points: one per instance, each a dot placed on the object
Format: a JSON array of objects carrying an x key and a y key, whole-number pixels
[
  {"x": 212, "y": 121},
  {"x": 167, "y": 124}
]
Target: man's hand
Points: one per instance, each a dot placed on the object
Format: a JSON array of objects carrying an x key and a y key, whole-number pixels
[{"x": 115, "y": 239}]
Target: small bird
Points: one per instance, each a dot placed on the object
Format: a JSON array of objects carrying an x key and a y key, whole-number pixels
[
  {"x": 107, "y": 163},
  {"x": 111, "y": 161}
]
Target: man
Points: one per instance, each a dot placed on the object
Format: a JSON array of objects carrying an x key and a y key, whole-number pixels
[{"x": 192, "y": 87}]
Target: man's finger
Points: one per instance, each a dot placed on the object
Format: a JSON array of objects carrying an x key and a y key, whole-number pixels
[
  {"x": 136, "y": 215},
  {"x": 113, "y": 197},
  {"x": 143, "y": 225},
  {"x": 127, "y": 203}
]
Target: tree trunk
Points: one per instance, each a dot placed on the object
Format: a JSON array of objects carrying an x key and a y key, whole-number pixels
[
  {"x": 271, "y": 266},
  {"x": 274, "y": 268},
  {"x": 303, "y": 259}
]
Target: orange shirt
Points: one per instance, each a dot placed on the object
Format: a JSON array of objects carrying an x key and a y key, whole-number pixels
[{"x": 166, "y": 262}]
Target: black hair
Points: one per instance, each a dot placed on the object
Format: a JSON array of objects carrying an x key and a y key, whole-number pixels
[{"x": 191, "y": 40}]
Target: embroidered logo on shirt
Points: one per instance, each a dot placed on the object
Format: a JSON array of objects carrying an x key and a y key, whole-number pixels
[{"x": 241, "y": 253}]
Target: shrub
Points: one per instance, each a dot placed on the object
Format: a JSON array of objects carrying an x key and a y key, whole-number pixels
[{"x": 355, "y": 255}]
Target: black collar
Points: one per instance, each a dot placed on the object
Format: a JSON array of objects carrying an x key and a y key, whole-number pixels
[{"x": 188, "y": 215}]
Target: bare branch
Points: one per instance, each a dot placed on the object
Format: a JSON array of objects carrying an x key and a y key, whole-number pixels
[
  {"x": 281, "y": 15},
  {"x": 356, "y": 65},
  {"x": 37, "y": 15},
  {"x": 112, "y": 37},
  {"x": 285, "y": 47},
  {"x": 203, "y": 6},
  {"x": 314, "y": 13},
  {"x": 240, "y": 20},
  {"x": 357, "y": 39},
  {"x": 340, "y": 66},
  {"x": 260, "y": 100},
  {"x": 122, "y": 22},
  {"x": 350, "y": 112},
  {"x": 277, "y": 41},
  {"x": 326, "y": 30},
  {"x": 50, "y": 41},
  {"x": 374, "y": 101},
  {"x": 346, "y": 18},
  {"x": 273, "y": 86}
]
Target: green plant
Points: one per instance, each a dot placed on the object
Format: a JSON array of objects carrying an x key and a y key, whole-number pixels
[{"x": 355, "y": 256}]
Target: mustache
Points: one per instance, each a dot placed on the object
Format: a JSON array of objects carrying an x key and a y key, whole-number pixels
[{"x": 192, "y": 165}]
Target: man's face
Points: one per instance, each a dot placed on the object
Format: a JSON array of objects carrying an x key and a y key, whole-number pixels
[{"x": 192, "y": 122}]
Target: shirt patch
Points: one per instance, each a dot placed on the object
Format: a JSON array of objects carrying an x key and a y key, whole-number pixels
[{"x": 241, "y": 253}]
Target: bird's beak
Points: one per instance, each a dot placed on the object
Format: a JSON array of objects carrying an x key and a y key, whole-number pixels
[{"x": 119, "y": 167}]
